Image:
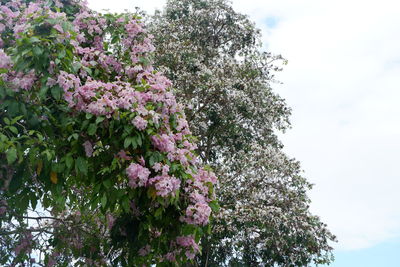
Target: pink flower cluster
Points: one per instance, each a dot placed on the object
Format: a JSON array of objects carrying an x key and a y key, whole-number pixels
[
  {"x": 139, "y": 123},
  {"x": 5, "y": 61},
  {"x": 198, "y": 212},
  {"x": 118, "y": 81},
  {"x": 88, "y": 148},
  {"x": 19, "y": 80},
  {"x": 165, "y": 185},
  {"x": 144, "y": 250},
  {"x": 188, "y": 242},
  {"x": 164, "y": 142},
  {"x": 138, "y": 175}
]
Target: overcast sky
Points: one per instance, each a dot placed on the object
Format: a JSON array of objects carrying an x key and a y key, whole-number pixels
[{"x": 342, "y": 82}]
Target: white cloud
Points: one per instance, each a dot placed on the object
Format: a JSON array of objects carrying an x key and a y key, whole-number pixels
[{"x": 342, "y": 82}]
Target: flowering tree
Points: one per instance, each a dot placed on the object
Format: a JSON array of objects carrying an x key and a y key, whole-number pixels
[
  {"x": 97, "y": 163},
  {"x": 212, "y": 54}
]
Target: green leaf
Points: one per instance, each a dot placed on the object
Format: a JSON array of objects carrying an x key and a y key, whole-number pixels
[
  {"x": 62, "y": 54},
  {"x": 33, "y": 201},
  {"x": 13, "y": 129},
  {"x": 127, "y": 142},
  {"x": 92, "y": 129},
  {"x": 214, "y": 206},
  {"x": 7, "y": 121},
  {"x": 81, "y": 164},
  {"x": 125, "y": 204},
  {"x": 158, "y": 212},
  {"x": 139, "y": 140},
  {"x": 16, "y": 119},
  {"x": 43, "y": 91},
  {"x": 11, "y": 155},
  {"x": 37, "y": 50},
  {"x": 76, "y": 66},
  {"x": 56, "y": 92},
  {"x": 104, "y": 200},
  {"x": 69, "y": 160},
  {"x": 97, "y": 188},
  {"x": 107, "y": 183},
  {"x": 34, "y": 39},
  {"x": 99, "y": 119}
]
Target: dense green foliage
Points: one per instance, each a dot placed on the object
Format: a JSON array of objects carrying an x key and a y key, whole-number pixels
[
  {"x": 213, "y": 56},
  {"x": 97, "y": 160}
]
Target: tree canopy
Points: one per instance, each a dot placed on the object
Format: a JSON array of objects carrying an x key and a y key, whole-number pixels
[
  {"x": 214, "y": 57},
  {"x": 98, "y": 165},
  {"x": 101, "y": 165}
]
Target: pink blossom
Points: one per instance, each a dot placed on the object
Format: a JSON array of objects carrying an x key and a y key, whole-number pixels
[
  {"x": 144, "y": 250},
  {"x": 58, "y": 28},
  {"x": 189, "y": 254},
  {"x": 133, "y": 28},
  {"x": 88, "y": 148},
  {"x": 165, "y": 185},
  {"x": 157, "y": 166},
  {"x": 110, "y": 221},
  {"x": 206, "y": 176},
  {"x": 197, "y": 214},
  {"x": 165, "y": 170},
  {"x": 139, "y": 123},
  {"x": 24, "y": 81},
  {"x": 190, "y": 244},
  {"x": 142, "y": 161},
  {"x": 19, "y": 28},
  {"x": 5, "y": 61},
  {"x": 170, "y": 256},
  {"x": 185, "y": 241},
  {"x": 51, "y": 82},
  {"x": 196, "y": 197},
  {"x": 138, "y": 175},
  {"x": 122, "y": 154},
  {"x": 164, "y": 143}
]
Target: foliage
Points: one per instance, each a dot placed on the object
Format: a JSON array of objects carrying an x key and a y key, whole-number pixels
[
  {"x": 97, "y": 161},
  {"x": 213, "y": 56}
]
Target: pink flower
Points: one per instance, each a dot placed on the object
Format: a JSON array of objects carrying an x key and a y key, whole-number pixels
[
  {"x": 88, "y": 148},
  {"x": 163, "y": 143},
  {"x": 133, "y": 28},
  {"x": 165, "y": 185},
  {"x": 170, "y": 256},
  {"x": 5, "y": 61},
  {"x": 142, "y": 161},
  {"x": 122, "y": 154},
  {"x": 144, "y": 250},
  {"x": 205, "y": 176},
  {"x": 139, "y": 123},
  {"x": 157, "y": 166},
  {"x": 58, "y": 28},
  {"x": 190, "y": 255},
  {"x": 185, "y": 241},
  {"x": 197, "y": 214},
  {"x": 110, "y": 221},
  {"x": 190, "y": 244},
  {"x": 138, "y": 175}
]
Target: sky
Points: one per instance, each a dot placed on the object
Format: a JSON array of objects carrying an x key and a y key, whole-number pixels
[{"x": 342, "y": 82}]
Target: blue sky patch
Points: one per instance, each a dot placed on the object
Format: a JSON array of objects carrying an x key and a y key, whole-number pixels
[{"x": 271, "y": 22}]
